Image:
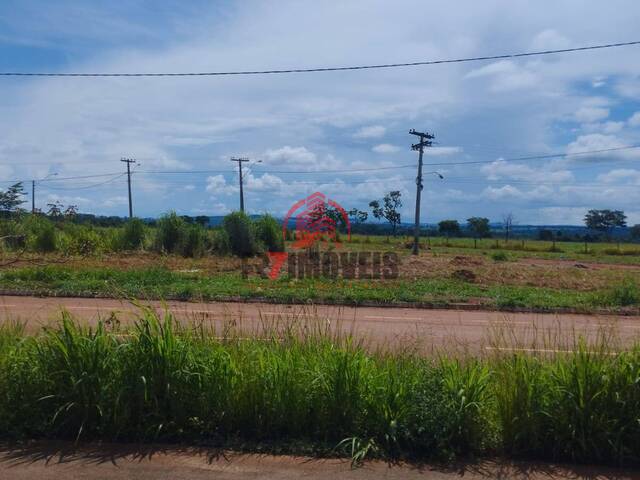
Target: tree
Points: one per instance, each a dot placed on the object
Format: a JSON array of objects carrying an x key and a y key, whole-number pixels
[
  {"x": 11, "y": 200},
  {"x": 507, "y": 222},
  {"x": 55, "y": 209},
  {"x": 605, "y": 220},
  {"x": 358, "y": 216},
  {"x": 202, "y": 220},
  {"x": 449, "y": 227},
  {"x": 389, "y": 210},
  {"x": 635, "y": 232},
  {"x": 479, "y": 227}
]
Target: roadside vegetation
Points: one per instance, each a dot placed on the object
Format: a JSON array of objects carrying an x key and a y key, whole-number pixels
[
  {"x": 180, "y": 257},
  {"x": 295, "y": 387}
]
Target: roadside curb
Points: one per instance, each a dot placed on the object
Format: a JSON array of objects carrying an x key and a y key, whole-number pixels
[{"x": 416, "y": 305}]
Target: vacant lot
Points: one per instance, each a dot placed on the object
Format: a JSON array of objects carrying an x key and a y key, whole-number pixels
[{"x": 507, "y": 277}]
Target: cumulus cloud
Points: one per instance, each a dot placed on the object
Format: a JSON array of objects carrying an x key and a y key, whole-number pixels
[
  {"x": 373, "y": 131},
  {"x": 591, "y": 114},
  {"x": 386, "y": 148}
]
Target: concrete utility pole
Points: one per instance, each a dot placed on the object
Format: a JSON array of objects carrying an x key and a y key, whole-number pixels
[
  {"x": 425, "y": 141},
  {"x": 33, "y": 190},
  {"x": 240, "y": 162},
  {"x": 129, "y": 161}
]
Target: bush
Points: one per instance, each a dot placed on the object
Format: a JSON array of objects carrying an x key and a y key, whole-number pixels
[
  {"x": 499, "y": 256},
  {"x": 242, "y": 241},
  {"x": 268, "y": 232},
  {"x": 220, "y": 242},
  {"x": 12, "y": 233},
  {"x": 170, "y": 233},
  {"x": 623, "y": 294},
  {"x": 41, "y": 234},
  {"x": 81, "y": 240},
  {"x": 132, "y": 235},
  {"x": 193, "y": 241}
]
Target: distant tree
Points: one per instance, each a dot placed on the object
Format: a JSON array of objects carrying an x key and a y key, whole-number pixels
[
  {"x": 11, "y": 200},
  {"x": 545, "y": 234},
  {"x": 605, "y": 220},
  {"x": 71, "y": 211},
  {"x": 55, "y": 209},
  {"x": 449, "y": 228},
  {"x": 635, "y": 232},
  {"x": 389, "y": 210},
  {"x": 357, "y": 216},
  {"x": 479, "y": 228},
  {"x": 508, "y": 220},
  {"x": 202, "y": 220}
]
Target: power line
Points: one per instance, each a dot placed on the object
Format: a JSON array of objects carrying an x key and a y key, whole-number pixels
[
  {"x": 535, "y": 157},
  {"x": 327, "y": 69},
  {"x": 93, "y": 185}
]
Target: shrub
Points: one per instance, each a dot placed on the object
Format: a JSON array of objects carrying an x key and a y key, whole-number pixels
[
  {"x": 622, "y": 294},
  {"x": 12, "y": 234},
  {"x": 82, "y": 240},
  {"x": 132, "y": 235},
  {"x": 499, "y": 256},
  {"x": 220, "y": 242},
  {"x": 268, "y": 232},
  {"x": 193, "y": 241},
  {"x": 242, "y": 241},
  {"x": 170, "y": 233},
  {"x": 41, "y": 234}
]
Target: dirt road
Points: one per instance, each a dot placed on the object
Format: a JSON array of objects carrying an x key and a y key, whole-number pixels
[
  {"x": 379, "y": 325},
  {"x": 61, "y": 461}
]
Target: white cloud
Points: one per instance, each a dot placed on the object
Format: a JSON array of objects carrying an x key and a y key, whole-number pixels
[
  {"x": 287, "y": 155},
  {"x": 217, "y": 185},
  {"x": 591, "y": 114},
  {"x": 386, "y": 148},
  {"x": 521, "y": 171},
  {"x": 550, "y": 39},
  {"x": 621, "y": 175},
  {"x": 373, "y": 131},
  {"x": 634, "y": 120}
]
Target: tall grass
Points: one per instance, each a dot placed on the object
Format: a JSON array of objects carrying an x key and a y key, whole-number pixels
[{"x": 296, "y": 388}]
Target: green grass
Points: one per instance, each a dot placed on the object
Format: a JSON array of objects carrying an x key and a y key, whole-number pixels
[
  {"x": 628, "y": 253},
  {"x": 162, "y": 283},
  {"x": 297, "y": 388}
]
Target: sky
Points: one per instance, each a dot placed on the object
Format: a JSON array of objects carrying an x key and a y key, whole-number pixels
[{"x": 302, "y": 131}]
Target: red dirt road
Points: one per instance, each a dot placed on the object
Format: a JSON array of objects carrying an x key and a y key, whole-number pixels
[
  {"x": 378, "y": 325},
  {"x": 59, "y": 461}
]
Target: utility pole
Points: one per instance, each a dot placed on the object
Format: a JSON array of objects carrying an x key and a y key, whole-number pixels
[
  {"x": 129, "y": 161},
  {"x": 33, "y": 190},
  {"x": 240, "y": 162},
  {"x": 425, "y": 141}
]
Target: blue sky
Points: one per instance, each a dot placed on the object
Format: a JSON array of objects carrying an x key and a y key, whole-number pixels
[{"x": 489, "y": 111}]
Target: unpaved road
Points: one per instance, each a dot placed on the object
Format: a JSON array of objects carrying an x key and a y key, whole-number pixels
[
  {"x": 378, "y": 325},
  {"x": 60, "y": 461}
]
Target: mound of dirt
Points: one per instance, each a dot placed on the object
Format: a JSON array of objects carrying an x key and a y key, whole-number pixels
[
  {"x": 462, "y": 260},
  {"x": 464, "y": 275}
]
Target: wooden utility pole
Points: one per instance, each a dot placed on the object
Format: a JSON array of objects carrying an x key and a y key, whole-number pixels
[{"x": 425, "y": 141}]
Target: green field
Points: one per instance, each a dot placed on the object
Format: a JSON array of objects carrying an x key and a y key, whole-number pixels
[
  {"x": 162, "y": 283},
  {"x": 294, "y": 388}
]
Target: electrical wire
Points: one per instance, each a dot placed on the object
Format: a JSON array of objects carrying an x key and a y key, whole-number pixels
[{"x": 326, "y": 69}]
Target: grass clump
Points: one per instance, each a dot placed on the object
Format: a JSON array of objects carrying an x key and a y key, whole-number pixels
[
  {"x": 622, "y": 294},
  {"x": 295, "y": 385},
  {"x": 499, "y": 256}
]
